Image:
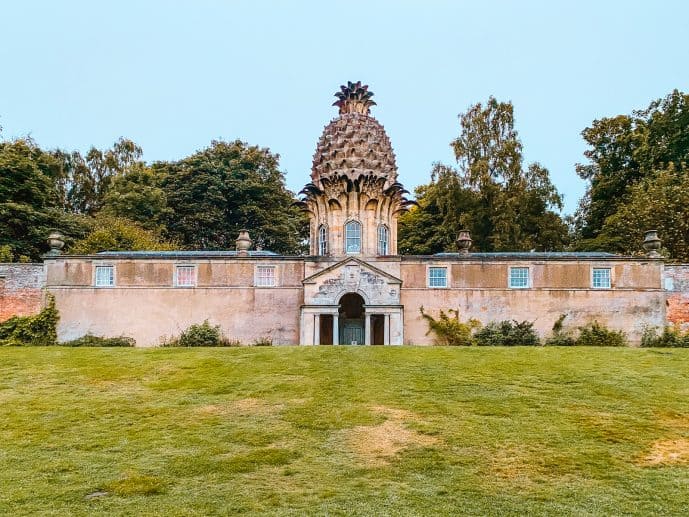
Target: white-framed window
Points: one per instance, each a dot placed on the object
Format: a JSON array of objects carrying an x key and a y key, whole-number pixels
[
  {"x": 322, "y": 240},
  {"x": 353, "y": 237},
  {"x": 265, "y": 276},
  {"x": 437, "y": 277},
  {"x": 105, "y": 276},
  {"x": 383, "y": 234},
  {"x": 519, "y": 277},
  {"x": 600, "y": 278},
  {"x": 185, "y": 276}
]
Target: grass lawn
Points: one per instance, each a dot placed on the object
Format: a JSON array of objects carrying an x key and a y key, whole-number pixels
[{"x": 342, "y": 430}]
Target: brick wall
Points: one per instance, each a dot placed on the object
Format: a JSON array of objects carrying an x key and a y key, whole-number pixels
[
  {"x": 21, "y": 289},
  {"x": 676, "y": 282}
]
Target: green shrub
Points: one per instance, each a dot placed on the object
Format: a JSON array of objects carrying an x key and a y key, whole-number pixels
[
  {"x": 38, "y": 330},
  {"x": 6, "y": 254},
  {"x": 449, "y": 330},
  {"x": 595, "y": 334},
  {"x": 262, "y": 341},
  {"x": 507, "y": 333},
  {"x": 203, "y": 334},
  {"x": 91, "y": 340},
  {"x": 671, "y": 337},
  {"x": 560, "y": 337}
]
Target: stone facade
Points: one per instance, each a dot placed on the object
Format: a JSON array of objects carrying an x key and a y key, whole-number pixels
[
  {"x": 353, "y": 287},
  {"x": 20, "y": 289},
  {"x": 311, "y": 297}
]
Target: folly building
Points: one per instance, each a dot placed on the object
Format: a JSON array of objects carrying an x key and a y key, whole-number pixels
[{"x": 354, "y": 287}]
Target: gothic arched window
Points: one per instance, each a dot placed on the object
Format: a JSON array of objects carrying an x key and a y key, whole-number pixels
[
  {"x": 353, "y": 237},
  {"x": 383, "y": 234},
  {"x": 322, "y": 240}
]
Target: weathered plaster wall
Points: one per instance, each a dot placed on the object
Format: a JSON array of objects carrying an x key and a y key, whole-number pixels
[
  {"x": 479, "y": 290},
  {"x": 676, "y": 282},
  {"x": 152, "y": 313},
  {"x": 145, "y": 305},
  {"x": 20, "y": 289}
]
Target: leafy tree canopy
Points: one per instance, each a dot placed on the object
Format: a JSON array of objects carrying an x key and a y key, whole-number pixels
[
  {"x": 137, "y": 195},
  {"x": 118, "y": 234},
  {"x": 623, "y": 151},
  {"x": 505, "y": 205},
  {"x": 226, "y": 187},
  {"x": 87, "y": 179},
  {"x": 659, "y": 201},
  {"x": 30, "y": 200}
]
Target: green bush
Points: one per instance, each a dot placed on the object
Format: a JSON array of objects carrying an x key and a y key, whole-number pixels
[
  {"x": 595, "y": 334},
  {"x": 671, "y": 337},
  {"x": 507, "y": 333},
  {"x": 91, "y": 340},
  {"x": 449, "y": 330},
  {"x": 262, "y": 341},
  {"x": 560, "y": 337},
  {"x": 203, "y": 334},
  {"x": 6, "y": 254},
  {"x": 38, "y": 330}
]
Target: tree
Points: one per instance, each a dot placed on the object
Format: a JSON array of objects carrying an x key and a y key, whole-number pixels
[
  {"x": 29, "y": 200},
  {"x": 505, "y": 206},
  {"x": 226, "y": 187},
  {"x": 137, "y": 195},
  {"x": 514, "y": 209},
  {"x": 433, "y": 225},
  {"x": 89, "y": 177},
  {"x": 659, "y": 201},
  {"x": 118, "y": 234},
  {"x": 625, "y": 150}
]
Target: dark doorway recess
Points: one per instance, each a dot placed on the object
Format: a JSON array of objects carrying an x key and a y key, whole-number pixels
[
  {"x": 377, "y": 329},
  {"x": 326, "y": 330}
]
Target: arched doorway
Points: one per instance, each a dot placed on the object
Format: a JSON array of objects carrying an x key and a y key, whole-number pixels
[{"x": 352, "y": 319}]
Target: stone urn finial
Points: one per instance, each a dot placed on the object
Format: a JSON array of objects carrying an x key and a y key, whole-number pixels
[
  {"x": 243, "y": 243},
  {"x": 464, "y": 242},
  {"x": 56, "y": 241},
  {"x": 652, "y": 244}
]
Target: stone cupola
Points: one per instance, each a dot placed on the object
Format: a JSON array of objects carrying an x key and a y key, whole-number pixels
[{"x": 354, "y": 198}]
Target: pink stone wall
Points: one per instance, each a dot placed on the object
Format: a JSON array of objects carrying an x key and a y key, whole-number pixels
[
  {"x": 149, "y": 315},
  {"x": 21, "y": 289},
  {"x": 479, "y": 290},
  {"x": 676, "y": 281}
]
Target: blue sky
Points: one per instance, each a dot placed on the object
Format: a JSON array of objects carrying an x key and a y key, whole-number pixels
[{"x": 172, "y": 76}]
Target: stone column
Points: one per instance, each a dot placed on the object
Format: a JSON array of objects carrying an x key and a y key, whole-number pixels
[
  {"x": 367, "y": 329},
  {"x": 396, "y": 328},
  {"x": 336, "y": 329},
  {"x": 386, "y": 330},
  {"x": 316, "y": 329}
]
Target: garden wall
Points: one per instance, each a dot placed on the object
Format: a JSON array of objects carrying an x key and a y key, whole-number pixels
[{"x": 21, "y": 287}]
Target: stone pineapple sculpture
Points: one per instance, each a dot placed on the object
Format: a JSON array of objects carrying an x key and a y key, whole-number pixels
[{"x": 354, "y": 175}]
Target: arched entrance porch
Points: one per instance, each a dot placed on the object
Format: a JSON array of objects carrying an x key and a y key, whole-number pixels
[
  {"x": 351, "y": 316},
  {"x": 350, "y": 322}
]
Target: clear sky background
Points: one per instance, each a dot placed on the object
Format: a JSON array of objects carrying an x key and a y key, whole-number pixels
[{"x": 172, "y": 76}]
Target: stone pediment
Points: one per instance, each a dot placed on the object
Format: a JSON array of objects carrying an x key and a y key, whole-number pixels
[
  {"x": 352, "y": 260},
  {"x": 352, "y": 275}
]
